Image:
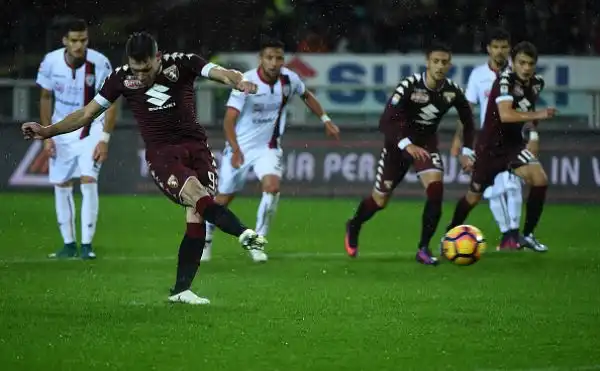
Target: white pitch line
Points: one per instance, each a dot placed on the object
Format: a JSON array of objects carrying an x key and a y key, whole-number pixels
[
  {"x": 274, "y": 255},
  {"x": 291, "y": 255}
]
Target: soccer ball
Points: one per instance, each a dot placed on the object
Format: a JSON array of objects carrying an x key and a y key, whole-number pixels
[{"x": 463, "y": 245}]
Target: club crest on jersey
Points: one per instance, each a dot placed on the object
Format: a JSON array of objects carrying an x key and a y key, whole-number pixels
[
  {"x": 449, "y": 96},
  {"x": 395, "y": 99},
  {"x": 172, "y": 182},
  {"x": 90, "y": 79},
  {"x": 536, "y": 89},
  {"x": 131, "y": 82},
  {"x": 286, "y": 90},
  {"x": 419, "y": 96},
  {"x": 172, "y": 73}
]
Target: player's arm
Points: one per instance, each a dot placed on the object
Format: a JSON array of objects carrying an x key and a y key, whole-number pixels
[
  {"x": 45, "y": 107},
  {"x": 311, "y": 101},
  {"x": 110, "y": 119},
  {"x": 465, "y": 113},
  {"x": 111, "y": 91},
  {"x": 235, "y": 79},
  {"x": 472, "y": 95},
  {"x": 508, "y": 115},
  {"x": 44, "y": 81},
  {"x": 235, "y": 105},
  {"x": 392, "y": 122},
  {"x": 76, "y": 120}
]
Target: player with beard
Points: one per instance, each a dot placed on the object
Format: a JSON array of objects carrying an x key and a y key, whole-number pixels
[
  {"x": 501, "y": 145},
  {"x": 69, "y": 78},
  {"x": 254, "y": 125},
  {"x": 409, "y": 124},
  {"x": 159, "y": 89}
]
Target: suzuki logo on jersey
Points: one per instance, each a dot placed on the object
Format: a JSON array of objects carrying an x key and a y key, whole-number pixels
[
  {"x": 428, "y": 113},
  {"x": 158, "y": 97},
  {"x": 383, "y": 73}
]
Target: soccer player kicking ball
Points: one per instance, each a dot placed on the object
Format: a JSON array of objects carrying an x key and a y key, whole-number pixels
[
  {"x": 501, "y": 145},
  {"x": 159, "y": 89},
  {"x": 72, "y": 75},
  {"x": 254, "y": 125},
  {"x": 409, "y": 124}
]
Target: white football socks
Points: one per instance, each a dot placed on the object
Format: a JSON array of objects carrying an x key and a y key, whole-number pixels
[
  {"x": 514, "y": 199},
  {"x": 89, "y": 211},
  {"x": 266, "y": 210},
  {"x": 65, "y": 212},
  {"x": 499, "y": 208}
]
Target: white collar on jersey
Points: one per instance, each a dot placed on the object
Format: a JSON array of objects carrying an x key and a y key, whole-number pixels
[{"x": 424, "y": 77}]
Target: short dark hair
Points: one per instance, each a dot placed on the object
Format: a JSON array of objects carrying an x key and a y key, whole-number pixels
[
  {"x": 526, "y": 48},
  {"x": 268, "y": 42},
  {"x": 438, "y": 46},
  {"x": 141, "y": 46},
  {"x": 498, "y": 34},
  {"x": 74, "y": 25}
]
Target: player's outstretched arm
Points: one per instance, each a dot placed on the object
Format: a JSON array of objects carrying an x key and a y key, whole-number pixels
[
  {"x": 508, "y": 115},
  {"x": 233, "y": 78},
  {"x": 465, "y": 113},
  {"x": 316, "y": 108},
  {"x": 72, "y": 122}
]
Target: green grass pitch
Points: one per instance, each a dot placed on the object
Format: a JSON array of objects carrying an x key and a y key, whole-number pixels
[{"x": 309, "y": 308}]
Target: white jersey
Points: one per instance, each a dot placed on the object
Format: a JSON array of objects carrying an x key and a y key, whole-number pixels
[
  {"x": 479, "y": 86},
  {"x": 262, "y": 118},
  {"x": 73, "y": 88}
]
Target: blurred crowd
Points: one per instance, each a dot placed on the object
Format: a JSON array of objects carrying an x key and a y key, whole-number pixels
[{"x": 566, "y": 27}]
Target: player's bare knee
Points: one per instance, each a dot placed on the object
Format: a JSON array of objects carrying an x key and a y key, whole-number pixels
[
  {"x": 192, "y": 191},
  {"x": 473, "y": 198},
  {"x": 191, "y": 216},
  {"x": 381, "y": 199},
  {"x": 270, "y": 184},
  {"x": 224, "y": 199},
  {"x": 87, "y": 180},
  {"x": 539, "y": 177}
]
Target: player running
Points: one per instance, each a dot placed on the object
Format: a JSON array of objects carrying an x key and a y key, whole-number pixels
[
  {"x": 159, "y": 89},
  {"x": 506, "y": 195},
  {"x": 72, "y": 75},
  {"x": 409, "y": 124},
  {"x": 253, "y": 127},
  {"x": 501, "y": 145}
]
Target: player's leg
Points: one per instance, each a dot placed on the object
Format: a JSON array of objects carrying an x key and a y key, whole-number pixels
[
  {"x": 268, "y": 169},
  {"x": 61, "y": 170},
  {"x": 221, "y": 199},
  {"x": 484, "y": 171},
  {"x": 497, "y": 195},
  {"x": 514, "y": 200},
  {"x": 90, "y": 203},
  {"x": 188, "y": 260},
  {"x": 231, "y": 181},
  {"x": 530, "y": 170},
  {"x": 391, "y": 169},
  {"x": 431, "y": 173},
  {"x": 189, "y": 173}
]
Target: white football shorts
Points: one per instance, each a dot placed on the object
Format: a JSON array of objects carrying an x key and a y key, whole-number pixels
[{"x": 262, "y": 162}]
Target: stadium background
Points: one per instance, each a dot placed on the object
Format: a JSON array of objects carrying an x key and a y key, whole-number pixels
[
  {"x": 310, "y": 307},
  {"x": 351, "y": 54}
]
